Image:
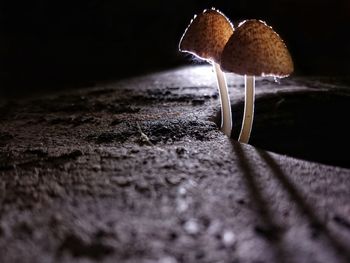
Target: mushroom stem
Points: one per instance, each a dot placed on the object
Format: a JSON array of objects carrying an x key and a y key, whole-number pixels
[
  {"x": 248, "y": 109},
  {"x": 226, "y": 119}
]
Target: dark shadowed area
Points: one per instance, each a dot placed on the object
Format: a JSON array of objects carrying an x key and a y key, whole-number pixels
[{"x": 48, "y": 45}]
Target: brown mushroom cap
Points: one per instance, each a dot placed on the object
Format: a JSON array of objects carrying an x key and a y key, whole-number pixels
[
  {"x": 255, "y": 49},
  {"x": 207, "y": 35}
]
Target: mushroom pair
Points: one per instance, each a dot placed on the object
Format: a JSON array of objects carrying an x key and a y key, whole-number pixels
[{"x": 253, "y": 49}]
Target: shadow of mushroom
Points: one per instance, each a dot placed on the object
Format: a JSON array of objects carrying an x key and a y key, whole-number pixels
[
  {"x": 269, "y": 228},
  {"x": 315, "y": 222},
  {"x": 272, "y": 227}
]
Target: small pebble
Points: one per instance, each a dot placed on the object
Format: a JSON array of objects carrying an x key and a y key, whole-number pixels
[
  {"x": 228, "y": 238},
  {"x": 182, "y": 205},
  {"x": 182, "y": 190},
  {"x": 181, "y": 151},
  {"x": 191, "y": 227},
  {"x": 167, "y": 259},
  {"x": 121, "y": 180},
  {"x": 173, "y": 179}
]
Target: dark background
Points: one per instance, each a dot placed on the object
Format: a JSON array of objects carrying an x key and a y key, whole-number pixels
[{"x": 46, "y": 45}]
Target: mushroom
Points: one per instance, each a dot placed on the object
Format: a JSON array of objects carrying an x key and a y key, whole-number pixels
[
  {"x": 205, "y": 38},
  {"x": 255, "y": 49}
]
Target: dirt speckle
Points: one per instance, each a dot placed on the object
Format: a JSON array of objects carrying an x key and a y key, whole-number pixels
[
  {"x": 122, "y": 181},
  {"x": 269, "y": 232},
  {"x": 81, "y": 248}
]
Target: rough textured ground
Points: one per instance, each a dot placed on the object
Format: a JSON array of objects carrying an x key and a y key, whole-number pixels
[{"x": 137, "y": 171}]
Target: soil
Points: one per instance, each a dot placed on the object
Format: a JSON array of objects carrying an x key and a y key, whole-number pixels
[{"x": 138, "y": 171}]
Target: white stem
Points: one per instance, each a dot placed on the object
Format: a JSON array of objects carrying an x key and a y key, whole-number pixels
[
  {"x": 226, "y": 119},
  {"x": 248, "y": 109}
]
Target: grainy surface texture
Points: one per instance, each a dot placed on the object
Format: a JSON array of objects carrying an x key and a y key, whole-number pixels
[{"x": 138, "y": 171}]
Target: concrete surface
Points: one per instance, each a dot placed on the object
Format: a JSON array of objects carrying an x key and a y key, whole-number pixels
[{"x": 137, "y": 171}]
